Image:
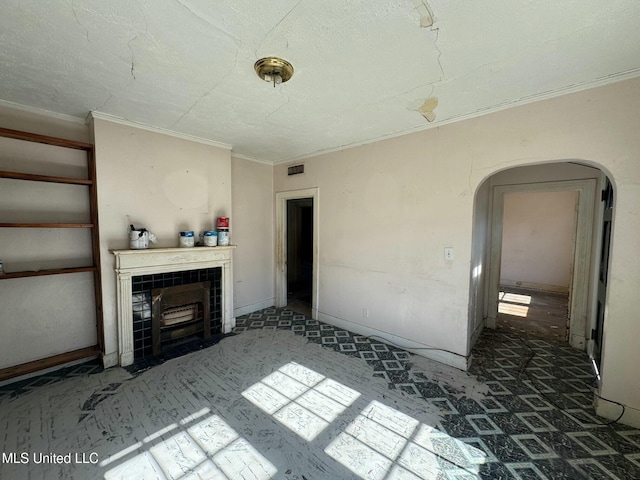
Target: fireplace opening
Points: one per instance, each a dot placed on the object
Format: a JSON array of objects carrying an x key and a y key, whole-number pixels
[{"x": 179, "y": 313}]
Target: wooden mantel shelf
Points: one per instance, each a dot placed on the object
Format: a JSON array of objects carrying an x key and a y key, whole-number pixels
[
  {"x": 163, "y": 260},
  {"x": 163, "y": 250}
]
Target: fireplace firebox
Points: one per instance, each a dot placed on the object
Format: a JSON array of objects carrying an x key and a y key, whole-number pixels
[{"x": 179, "y": 312}]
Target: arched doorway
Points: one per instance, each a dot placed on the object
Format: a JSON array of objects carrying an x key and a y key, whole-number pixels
[{"x": 587, "y": 286}]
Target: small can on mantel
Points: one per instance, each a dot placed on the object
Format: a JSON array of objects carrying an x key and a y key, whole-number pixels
[
  {"x": 223, "y": 236},
  {"x": 223, "y": 222},
  {"x": 210, "y": 238},
  {"x": 187, "y": 238}
]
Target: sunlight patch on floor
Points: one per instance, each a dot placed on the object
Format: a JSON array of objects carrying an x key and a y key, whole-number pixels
[
  {"x": 514, "y": 304},
  {"x": 208, "y": 449},
  {"x": 516, "y": 310},
  {"x": 383, "y": 443},
  {"x": 301, "y": 399}
]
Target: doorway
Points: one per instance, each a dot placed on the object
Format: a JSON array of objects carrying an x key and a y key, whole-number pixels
[
  {"x": 538, "y": 244},
  {"x": 579, "y": 293},
  {"x": 300, "y": 255},
  {"x": 304, "y": 228}
]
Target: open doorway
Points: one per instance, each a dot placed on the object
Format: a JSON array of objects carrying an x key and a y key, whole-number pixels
[
  {"x": 310, "y": 197},
  {"x": 579, "y": 290},
  {"x": 300, "y": 255},
  {"x": 537, "y": 260}
]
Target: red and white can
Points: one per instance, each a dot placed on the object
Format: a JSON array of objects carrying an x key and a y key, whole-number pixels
[{"x": 223, "y": 222}]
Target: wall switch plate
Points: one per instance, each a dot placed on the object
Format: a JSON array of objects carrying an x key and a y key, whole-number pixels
[{"x": 448, "y": 253}]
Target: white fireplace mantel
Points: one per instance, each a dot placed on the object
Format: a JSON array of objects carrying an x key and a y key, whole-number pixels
[{"x": 131, "y": 263}]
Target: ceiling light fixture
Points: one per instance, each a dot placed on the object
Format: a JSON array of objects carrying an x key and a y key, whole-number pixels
[{"x": 273, "y": 69}]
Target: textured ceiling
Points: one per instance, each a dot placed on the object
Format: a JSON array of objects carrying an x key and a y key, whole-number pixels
[{"x": 363, "y": 69}]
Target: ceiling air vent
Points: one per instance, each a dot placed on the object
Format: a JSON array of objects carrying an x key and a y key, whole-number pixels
[{"x": 295, "y": 170}]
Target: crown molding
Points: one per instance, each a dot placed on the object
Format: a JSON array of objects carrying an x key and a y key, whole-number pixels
[
  {"x": 164, "y": 131},
  {"x": 251, "y": 159},
  {"x": 42, "y": 112}
]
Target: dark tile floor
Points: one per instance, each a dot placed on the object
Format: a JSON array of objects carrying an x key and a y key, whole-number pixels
[{"x": 537, "y": 421}]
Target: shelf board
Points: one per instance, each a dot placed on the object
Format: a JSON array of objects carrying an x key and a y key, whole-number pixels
[
  {"x": 49, "y": 362},
  {"x": 46, "y": 225},
  {"x": 34, "y": 137},
  {"x": 44, "y": 178},
  {"x": 41, "y": 273}
]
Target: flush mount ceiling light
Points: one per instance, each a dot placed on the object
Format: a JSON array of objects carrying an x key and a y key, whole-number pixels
[{"x": 273, "y": 69}]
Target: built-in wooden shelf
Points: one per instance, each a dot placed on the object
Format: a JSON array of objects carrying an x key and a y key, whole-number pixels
[
  {"x": 89, "y": 182},
  {"x": 34, "y": 137},
  {"x": 49, "y": 362},
  {"x": 41, "y": 273},
  {"x": 44, "y": 178},
  {"x": 46, "y": 225}
]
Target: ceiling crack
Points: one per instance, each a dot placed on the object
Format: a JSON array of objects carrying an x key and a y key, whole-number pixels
[
  {"x": 280, "y": 107},
  {"x": 75, "y": 15},
  {"x": 132, "y": 56},
  {"x": 276, "y": 26},
  {"x": 435, "y": 45},
  {"x": 104, "y": 104},
  {"x": 236, "y": 40},
  {"x": 208, "y": 92}
]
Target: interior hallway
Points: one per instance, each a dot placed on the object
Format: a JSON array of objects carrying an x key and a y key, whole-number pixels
[{"x": 293, "y": 398}]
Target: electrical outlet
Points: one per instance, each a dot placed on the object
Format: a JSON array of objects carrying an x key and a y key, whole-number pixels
[
  {"x": 365, "y": 312},
  {"x": 448, "y": 253}
]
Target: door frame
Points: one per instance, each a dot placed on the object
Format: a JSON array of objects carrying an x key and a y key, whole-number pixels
[
  {"x": 281, "y": 245},
  {"x": 581, "y": 278}
]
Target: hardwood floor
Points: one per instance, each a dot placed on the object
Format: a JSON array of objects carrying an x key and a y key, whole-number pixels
[{"x": 537, "y": 312}]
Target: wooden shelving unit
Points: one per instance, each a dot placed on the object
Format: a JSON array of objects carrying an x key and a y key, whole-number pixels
[{"x": 90, "y": 183}]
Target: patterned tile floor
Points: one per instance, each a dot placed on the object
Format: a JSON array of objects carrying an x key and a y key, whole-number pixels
[{"x": 537, "y": 422}]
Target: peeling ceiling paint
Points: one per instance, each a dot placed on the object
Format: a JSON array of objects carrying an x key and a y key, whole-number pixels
[
  {"x": 428, "y": 107},
  {"x": 362, "y": 68}
]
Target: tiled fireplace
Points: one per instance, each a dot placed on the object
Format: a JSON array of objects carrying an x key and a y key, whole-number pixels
[{"x": 140, "y": 273}]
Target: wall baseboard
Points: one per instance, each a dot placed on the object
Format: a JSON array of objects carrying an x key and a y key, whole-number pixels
[
  {"x": 612, "y": 411},
  {"x": 451, "y": 359},
  {"x": 535, "y": 286},
  {"x": 254, "y": 307}
]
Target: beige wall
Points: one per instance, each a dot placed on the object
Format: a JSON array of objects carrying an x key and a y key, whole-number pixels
[
  {"x": 538, "y": 237},
  {"x": 52, "y": 314},
  {"x": 253, "y": 233},
  {"x": 163, "y": 183},
  {"x": 388, "y": 209}
]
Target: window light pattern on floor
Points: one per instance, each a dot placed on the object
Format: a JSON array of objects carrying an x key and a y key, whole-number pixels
[
  {"x": 513, "y": 304},
  {"x": 301, "y": 399},
  {"x": 208, "y": 448},
  {"x": 383, "y": 443}
]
